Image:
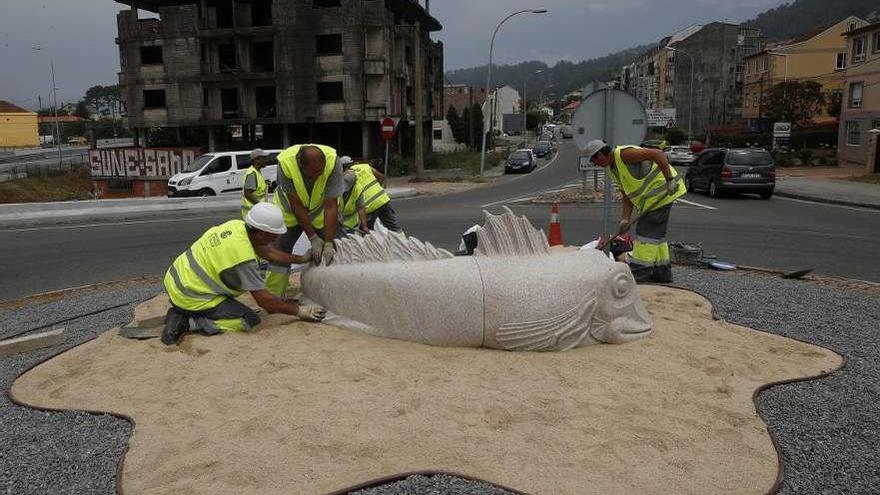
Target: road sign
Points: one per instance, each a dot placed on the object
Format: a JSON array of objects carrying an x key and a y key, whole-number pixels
[
  {"x": 782, "y": 130},
  {"x": 387, "y": 128},
  {"x": 627, "y": 122}
]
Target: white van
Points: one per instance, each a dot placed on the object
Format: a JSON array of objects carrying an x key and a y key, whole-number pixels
[{"x": 218, "y": 173}]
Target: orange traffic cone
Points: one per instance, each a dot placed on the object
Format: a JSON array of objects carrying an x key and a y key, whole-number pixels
[{"x": 555, "y": 238}]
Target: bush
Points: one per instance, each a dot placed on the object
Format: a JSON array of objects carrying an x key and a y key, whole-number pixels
[
  {"x": 675, "y": 136},
  {"x": 805, "y": 155}
]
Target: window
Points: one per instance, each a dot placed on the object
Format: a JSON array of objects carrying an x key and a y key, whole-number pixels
[
  {"x": 242, "y": 160},
  {"x": 229, "y": 103},
  {"x": 227, "y": 57},
  {"x": 330, "y": 91},
  {"x": 261, "y": 12},
  {"x": 265, "y": 100},
  {"x": 852, "y": 26},
  {"x": 876, "y": 44},
  {"x": 855, "y": 94},
  {"x": 154, "y": 98},
  {"x": 853, "y": 133},
  {"x": 206, "y": 97},
  {"x": 858, "y": 51},
  {"x": 841, "y": 61},
  {"x": 263, "y": 56},
  {"x": 225, "y": 13},
  {"x": 763, "y": 64},
  {"x": 438, "y": 134},
  {"x": 328, "y": 44},
  {"x": 326, "y": 3},
  {"x": 151, "y": 55},
  {"x": 220, "y": 164}
]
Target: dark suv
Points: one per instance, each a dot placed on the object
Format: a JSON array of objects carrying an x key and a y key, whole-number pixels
[{"x": 720, "y": 170}]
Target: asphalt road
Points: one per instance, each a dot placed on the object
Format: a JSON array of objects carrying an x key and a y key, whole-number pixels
[{"x": 778, "y": 233}]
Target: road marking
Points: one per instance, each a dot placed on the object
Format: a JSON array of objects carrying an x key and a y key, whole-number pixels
[
  {"x": 692, "y": 203},
  {"x": 817, "y": 203},
  {"x": 132, "y": 222}
]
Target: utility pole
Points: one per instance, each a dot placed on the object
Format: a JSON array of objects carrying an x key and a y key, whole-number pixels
[
  {"x": 471, "y": 117},
  {"x": 419, "y": 103},
  {"x": 55, "y": 96}
]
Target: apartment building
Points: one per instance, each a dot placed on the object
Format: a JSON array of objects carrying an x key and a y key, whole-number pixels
[
  {"x": 860, "y": 115},
  {"x": 242, "y": 73}
]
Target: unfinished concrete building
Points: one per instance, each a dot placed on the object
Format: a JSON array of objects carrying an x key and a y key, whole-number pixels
[{"x": 236, "y": 74}]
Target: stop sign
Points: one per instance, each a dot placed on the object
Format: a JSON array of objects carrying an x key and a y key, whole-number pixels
[{"x": 387, "y": 128}]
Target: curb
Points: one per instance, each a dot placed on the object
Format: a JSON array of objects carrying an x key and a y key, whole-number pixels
[
  {"x": 814, "y": 199},
  {"x": 136, "y": 212}
]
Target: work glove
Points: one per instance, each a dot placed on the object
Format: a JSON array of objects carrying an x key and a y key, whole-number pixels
[
  {"x": 328, "y": 254},
  {"x": 310, "y": 312},
  {"x": 317, "y": 248},
  {"x": 671, "y": 185}
]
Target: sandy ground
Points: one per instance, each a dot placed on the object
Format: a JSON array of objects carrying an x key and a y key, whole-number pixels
[{"x": 305, "y": 408}]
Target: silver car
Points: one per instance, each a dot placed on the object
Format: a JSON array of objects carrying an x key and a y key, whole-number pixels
[{"x": 680, "y": 155}]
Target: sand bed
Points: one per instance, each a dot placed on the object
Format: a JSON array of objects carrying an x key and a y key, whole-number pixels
[{"x": 304, "y": 408}]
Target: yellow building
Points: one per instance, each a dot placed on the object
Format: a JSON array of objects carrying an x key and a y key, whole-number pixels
[
  {"x": 18, "y": 127},
  {"x": 819, "y": 57}
]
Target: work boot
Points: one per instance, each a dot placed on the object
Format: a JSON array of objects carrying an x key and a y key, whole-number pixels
[{"x": 176, "y": 324}]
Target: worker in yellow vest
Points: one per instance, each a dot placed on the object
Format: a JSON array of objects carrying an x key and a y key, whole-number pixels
[
  {"x": 375, "y": 200},
  {"x": 204, "y": 282},
  {"x": 309, "y": 183},
  {"x": 254, "y": 188},
  {"x": 650, "y": 185}
]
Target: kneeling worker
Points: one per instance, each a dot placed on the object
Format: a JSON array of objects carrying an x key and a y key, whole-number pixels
[
  {"x": 375, "y": 200},
  {"x": 204, "y": 282},
  {"x": 254, "y": 188},
  {"x": 650, "y": 184}
]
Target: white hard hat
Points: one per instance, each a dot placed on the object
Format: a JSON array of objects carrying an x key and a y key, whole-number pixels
[
  {"x": 593, "y": 147},
  {"x": 348, "y": 179},
  {"x": 344, "y": 160},
  {"x": 257, "y": 153},
  {"x": 266, "y": 217}
]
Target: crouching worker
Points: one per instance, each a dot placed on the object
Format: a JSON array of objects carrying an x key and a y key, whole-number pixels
[{"x": 204, "y": 282}]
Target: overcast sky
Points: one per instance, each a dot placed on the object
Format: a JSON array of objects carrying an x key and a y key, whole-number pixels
[{"x": 79, "y": 35}]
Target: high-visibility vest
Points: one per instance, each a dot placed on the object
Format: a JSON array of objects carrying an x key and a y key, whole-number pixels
[
  {"x": 648, "y": 193},
  {"x": 260, "y": 192},
  {"x": 314, "y": 200},
  {"x": 193, "y": 281},
  {"x": 375, "y": 196}
]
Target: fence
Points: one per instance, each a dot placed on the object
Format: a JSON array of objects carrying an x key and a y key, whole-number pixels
[{"x": 45, "y": 167}]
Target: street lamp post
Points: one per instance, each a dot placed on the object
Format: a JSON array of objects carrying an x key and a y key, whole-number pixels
[
  {"x": 525, "y": 106},
  {"x": 54, "y": 105},
  {"x": 489, "y": 76},
  {"x": 691, "y": 91}
]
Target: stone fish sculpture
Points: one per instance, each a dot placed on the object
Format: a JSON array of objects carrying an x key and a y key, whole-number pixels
[{"x": 513, "y": 294}]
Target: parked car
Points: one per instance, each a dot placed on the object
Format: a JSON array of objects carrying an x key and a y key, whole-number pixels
[
  {"x": 542, "y": 148},
  {"x": 720, "y": 170},
  {"x": 218, "y": 173},
  {"x": 547, "y": 137},
  {"x": 521, "y": 160},
  {"x": 658, "y": 144},
  {"x": 77, "y": 140},
  {"x": 680, "y": 155}
]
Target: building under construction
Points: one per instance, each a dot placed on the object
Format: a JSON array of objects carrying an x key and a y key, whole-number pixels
[{"x": 226, "y": 74}]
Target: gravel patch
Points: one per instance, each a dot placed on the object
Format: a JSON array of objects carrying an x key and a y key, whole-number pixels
[
  {"x": 828, "y": 429},
  {"x": 440, "y": 484},
  {"x": 62, "y": 452}
]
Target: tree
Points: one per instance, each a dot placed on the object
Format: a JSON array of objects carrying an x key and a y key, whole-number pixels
[
  {"x": 459, "y": 128},
  {"x": 477, "y": 112},
  {"x": 82, "y": 110},
  {"x": 795, "y": 101},
  {"x": 835, "y": 103}
]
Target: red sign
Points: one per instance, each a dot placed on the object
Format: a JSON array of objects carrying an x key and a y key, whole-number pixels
[{"x": 387, "y": 128}]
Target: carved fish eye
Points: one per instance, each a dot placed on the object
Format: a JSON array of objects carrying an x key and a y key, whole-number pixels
[{"x": 621, "y": 285}]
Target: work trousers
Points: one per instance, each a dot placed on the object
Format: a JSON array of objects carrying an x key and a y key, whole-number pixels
[
  {"x": 278, "y": 276},
  {"x": 388, "y": 217},
  {"x": 650, "y": 261},
  {"x": 228, "y": 316}
]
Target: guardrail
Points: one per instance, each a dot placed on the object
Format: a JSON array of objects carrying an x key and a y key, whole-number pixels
[{"x": 44, "y": 167}]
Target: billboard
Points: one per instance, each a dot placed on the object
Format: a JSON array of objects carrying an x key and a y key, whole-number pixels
[
  {"x": 661, "y": 117},
  {"x": 144, "y": 163}
]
